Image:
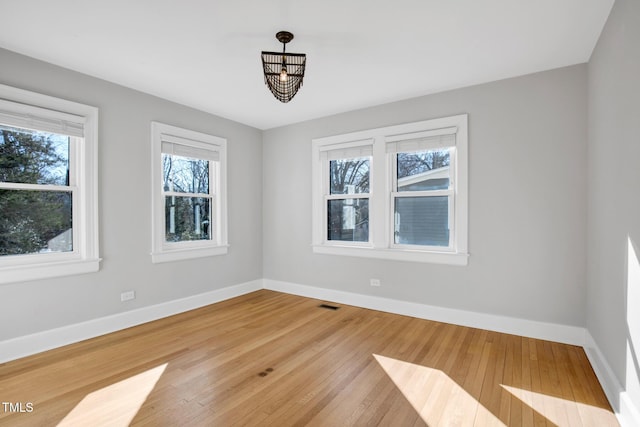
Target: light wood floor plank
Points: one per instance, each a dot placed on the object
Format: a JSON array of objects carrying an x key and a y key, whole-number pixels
[{"x": 269, "y": 358}]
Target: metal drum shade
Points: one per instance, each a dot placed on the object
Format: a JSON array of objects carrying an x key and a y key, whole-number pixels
[{"x": 274, "y": 63}]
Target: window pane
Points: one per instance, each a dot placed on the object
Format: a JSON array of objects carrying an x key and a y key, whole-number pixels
[
  {"x": 349, "y": 176},
  {"x": 30, "y": 157},
  {"x": 422, "y": 221},
  {"x": 187, "y": 218},
  {"x": 348, "y": 220},
  {"x": 35, "y": 222},
  {"x": 184, "y": 175},
  {"x": 424, "y": 170}
]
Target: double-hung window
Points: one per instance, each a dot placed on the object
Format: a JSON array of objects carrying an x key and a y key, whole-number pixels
[
  {"x": 347, "y": 192},
  {"x": 48, "y": 186},
  {"x": 422, "y": 194},
  {"x": 398, "y": 192},
  {"x": 189, "y": 197}
]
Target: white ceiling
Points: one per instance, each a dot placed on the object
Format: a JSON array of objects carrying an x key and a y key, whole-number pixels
[{"x": 206, "y": 53}]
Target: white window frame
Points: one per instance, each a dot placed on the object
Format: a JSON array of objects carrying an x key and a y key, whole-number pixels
[
  {"x": 347, "y": 151},
  {"x": 382, "y": 191},
  {"x": 211, "y": 147},
  {"x": 30, "y": 110}
]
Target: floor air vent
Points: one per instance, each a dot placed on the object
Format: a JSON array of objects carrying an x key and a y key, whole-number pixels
[{"x": 329, "y": 307}]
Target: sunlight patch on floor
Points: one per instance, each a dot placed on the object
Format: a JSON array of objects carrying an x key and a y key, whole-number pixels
[
  {"x": 435, "y": 396},
  {"x": 564, "y": 412},
  {"x": 115, "y": 405}
]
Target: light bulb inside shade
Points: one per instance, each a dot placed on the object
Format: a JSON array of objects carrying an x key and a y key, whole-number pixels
[{"x": 283, "y": 74}]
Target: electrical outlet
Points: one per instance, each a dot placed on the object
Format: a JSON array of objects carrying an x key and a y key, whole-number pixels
[
  {"x": 126, "y": 296},
  {"x": 375, "y": 282}
]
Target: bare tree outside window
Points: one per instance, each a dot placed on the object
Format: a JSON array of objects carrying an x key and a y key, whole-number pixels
[
  {"x": 422, "y": 161},
  {"x": 349, "y": 176},
  {"x": 348, "y": 217},
  {"x": 187, "y": 200}
]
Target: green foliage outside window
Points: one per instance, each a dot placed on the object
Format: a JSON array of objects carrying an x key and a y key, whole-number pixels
[{"x": 31, "y": 220}]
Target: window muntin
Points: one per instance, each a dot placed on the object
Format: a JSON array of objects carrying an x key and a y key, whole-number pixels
[
  {"x": 423, "y": 198},
  {"x": 189, "y": 208},
  {"x": 348, "y": 199},
  {"x": 48, "y": 187},
  {"x": 187, "y": 200},
  {"x": 35, "y": 195},
  {"x": 417, "y": 194}
]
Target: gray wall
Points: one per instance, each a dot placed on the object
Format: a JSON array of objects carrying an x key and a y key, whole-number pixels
[
  {"x": 527, "y": 202},
  {"x": 614, "y": 194},
  {"x": 125, "y": 206}
]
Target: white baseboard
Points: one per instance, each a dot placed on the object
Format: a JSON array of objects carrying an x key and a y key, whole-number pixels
[
  {"x": 626, "y": 410},
  {"x": 16, "y": 348},
  {"x": 510, "y": 325}
]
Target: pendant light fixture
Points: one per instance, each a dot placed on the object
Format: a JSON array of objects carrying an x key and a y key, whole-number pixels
[{"x": 283, "y": 72}]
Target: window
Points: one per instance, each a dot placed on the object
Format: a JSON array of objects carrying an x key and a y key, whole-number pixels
[
  {"x": 189, "y": 194},
  {"x": 398, "y": 192},
  {"x": 347, "y": 194},
  {"x": 48, "y": 182}
]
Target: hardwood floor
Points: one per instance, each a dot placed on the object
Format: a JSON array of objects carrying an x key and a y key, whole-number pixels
[{"x": 268, "y": 358}]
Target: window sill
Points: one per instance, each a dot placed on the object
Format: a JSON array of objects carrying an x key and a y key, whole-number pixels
[
  {"x": 182, "y": 254},
  {"x": 35, "y": 271},
  {"x": 450, "y": 258}
]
